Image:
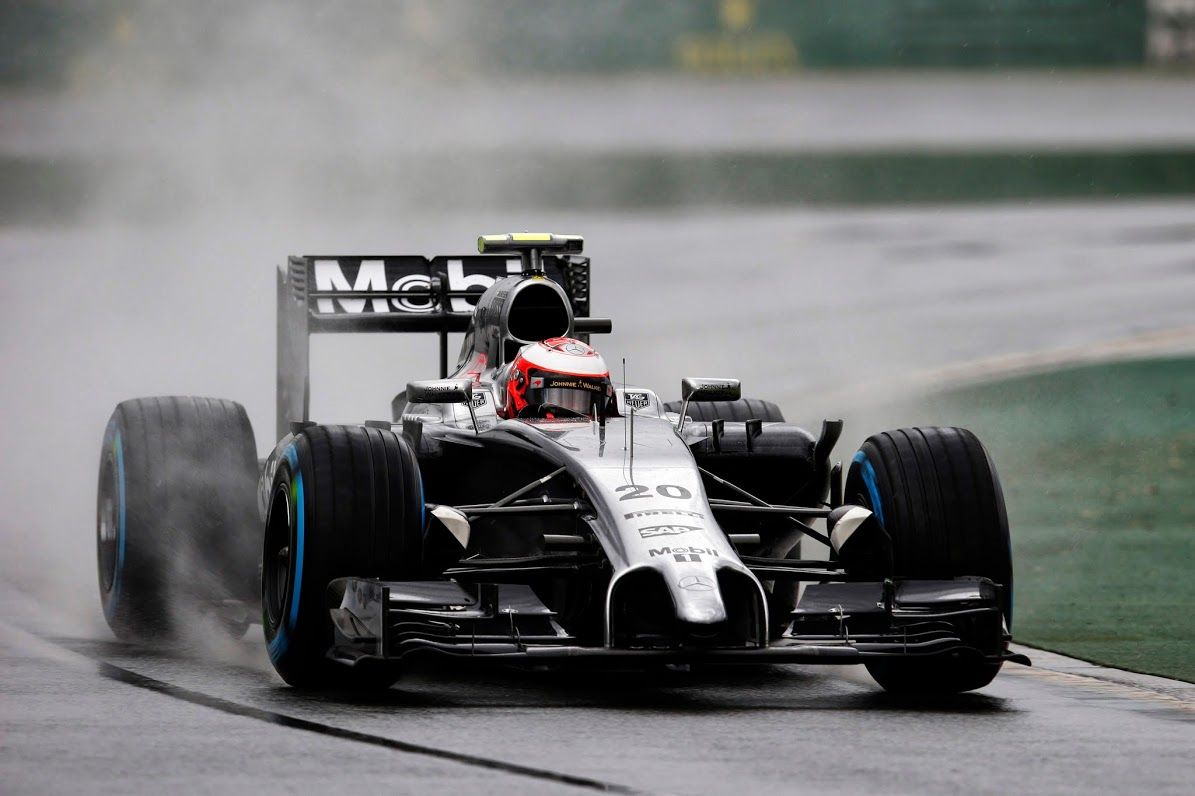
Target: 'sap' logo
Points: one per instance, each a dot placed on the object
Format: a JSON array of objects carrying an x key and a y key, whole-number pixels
[{"x": 652, "y": 531}]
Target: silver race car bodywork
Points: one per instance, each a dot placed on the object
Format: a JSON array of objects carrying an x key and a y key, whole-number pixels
[
  {"x": 649, "y": 508},
  {"x": 597, "y": 538}
]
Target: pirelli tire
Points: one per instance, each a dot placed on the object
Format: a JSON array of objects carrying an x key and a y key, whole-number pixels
[
  {"x": 937, "y": 494},
  {"x": 177, "y": 527},
  {"x": 346, "y": 501},
  {"x": 734, "y": 411}
]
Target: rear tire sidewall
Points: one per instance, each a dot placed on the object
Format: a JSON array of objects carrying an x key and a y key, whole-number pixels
[
  {"x": 130, "y": 569},
  {"x": 176, "y": 515}
]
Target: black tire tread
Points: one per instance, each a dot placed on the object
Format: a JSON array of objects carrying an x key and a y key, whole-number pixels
[
  {"x": 362, "y": 495},
  {"x": 944, "y": 509},
  {"x": 940, "y": 480},
  {"x": 193, "y": 458}
]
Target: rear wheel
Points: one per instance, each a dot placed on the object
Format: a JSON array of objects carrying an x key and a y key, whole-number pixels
[
  {"x": 734, "y": 411},
  {"x": 176, "y": 520},
  {"x": 937, "y": 494},
  {"x": 345, "y": 501}
]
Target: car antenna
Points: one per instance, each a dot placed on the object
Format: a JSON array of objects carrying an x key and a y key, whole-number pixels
[
  {"x": 599, "y": 416},
  {"x": 630, "y": 410},
  {"x": 624, "y": 400}
]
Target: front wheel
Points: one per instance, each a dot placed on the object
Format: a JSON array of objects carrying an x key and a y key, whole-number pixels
[
  {"x": 937, "y": 494},
  {"x": 346, "y": 501}
]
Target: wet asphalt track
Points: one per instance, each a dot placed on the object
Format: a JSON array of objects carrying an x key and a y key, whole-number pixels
[
  {"x": 107, "y": 717},
  {"x": 882, "y": 292}
]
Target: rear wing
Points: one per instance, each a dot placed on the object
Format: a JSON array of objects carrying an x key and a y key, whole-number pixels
[{"x": 319, "y": 294}]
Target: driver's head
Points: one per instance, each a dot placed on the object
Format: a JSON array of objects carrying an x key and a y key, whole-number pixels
[{"x": 560, "y": 377}]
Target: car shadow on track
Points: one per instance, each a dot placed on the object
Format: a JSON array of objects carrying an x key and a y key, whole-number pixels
[
  {"x": 707, "y": 690},
  {"x": 481, "y": 685}
]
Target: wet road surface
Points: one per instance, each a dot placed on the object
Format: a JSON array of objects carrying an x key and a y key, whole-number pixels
[{"x": 121, "y": 718}]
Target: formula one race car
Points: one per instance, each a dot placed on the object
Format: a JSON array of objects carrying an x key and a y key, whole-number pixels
[{"x": 526, "y": 508}]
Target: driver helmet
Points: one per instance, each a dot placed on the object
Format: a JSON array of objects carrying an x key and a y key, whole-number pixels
[{"x": 557, "y": 377}]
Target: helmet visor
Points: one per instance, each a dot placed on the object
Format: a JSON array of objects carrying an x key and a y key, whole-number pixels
[
  {"x": 574, "y": 394},
  {"x": 569, "y": 398}
]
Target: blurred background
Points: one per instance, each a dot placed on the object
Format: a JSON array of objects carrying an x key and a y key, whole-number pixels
[{"x": 946, "y": 211}]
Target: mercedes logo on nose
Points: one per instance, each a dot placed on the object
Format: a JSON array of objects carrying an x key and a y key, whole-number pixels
[{"x": 696, "y": 583}]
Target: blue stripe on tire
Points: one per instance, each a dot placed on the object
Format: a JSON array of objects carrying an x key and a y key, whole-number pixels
[
  {"x": 114, "y": 597},
  {"x": 299, "y": 533},
  {"x": 278, "y": 644},
  {"x": 869, "y": 480},
  {"x": 422, "y": 509}
]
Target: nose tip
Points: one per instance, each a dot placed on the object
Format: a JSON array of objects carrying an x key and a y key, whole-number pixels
[{"x": 698, "y": 601}]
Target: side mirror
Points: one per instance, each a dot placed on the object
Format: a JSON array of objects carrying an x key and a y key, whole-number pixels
[
  {"x": 692, "y": 389},
  {"x": 444, "y": 391},
  {"x": 711, "y": 389},
  {"x": 440, "y": 391}
]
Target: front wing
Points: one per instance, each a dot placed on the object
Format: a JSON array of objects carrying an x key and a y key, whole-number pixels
[{"x": 838, "y": 623}]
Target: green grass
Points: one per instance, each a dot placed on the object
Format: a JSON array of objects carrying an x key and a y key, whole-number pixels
[{"x": 1098, "y": 466}]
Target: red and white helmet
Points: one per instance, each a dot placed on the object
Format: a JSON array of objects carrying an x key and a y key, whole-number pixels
[{"x": 558, "y": 374}]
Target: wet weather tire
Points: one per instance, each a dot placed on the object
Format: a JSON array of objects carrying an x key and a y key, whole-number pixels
[
  {"x": 346, "y": 501},
  {"x": 937, "y": 494},
  {"x": 734, "y": 411},
  {"x": 177, "y": 524}
]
